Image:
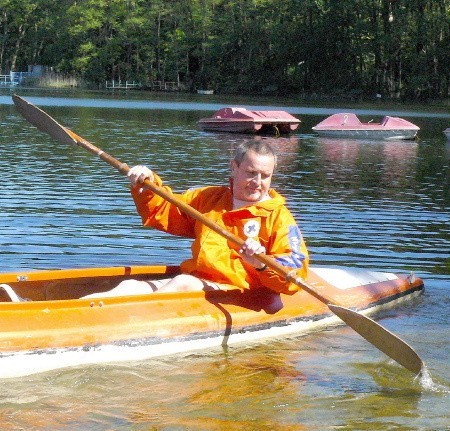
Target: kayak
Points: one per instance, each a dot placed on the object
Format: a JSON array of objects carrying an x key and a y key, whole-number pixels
[{"x": 46, "y": 324}]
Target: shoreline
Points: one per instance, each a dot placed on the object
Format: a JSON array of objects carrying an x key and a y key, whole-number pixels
[{"x": 145, "y": 99}]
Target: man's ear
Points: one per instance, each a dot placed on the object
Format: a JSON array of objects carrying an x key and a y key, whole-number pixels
[{"x": 233, "y": 166}]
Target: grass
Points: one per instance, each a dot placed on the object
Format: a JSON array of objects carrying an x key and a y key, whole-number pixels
[{"x": 53, "y": 80}]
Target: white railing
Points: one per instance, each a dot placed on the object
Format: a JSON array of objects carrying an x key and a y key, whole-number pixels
[
  {"x": 165, "y": 86},
  {"x": 154, "y": 85},
  {"x": 14, "y": 78},
  {"x": 5, "y": 80},
  {"x": 122, "y": 84}
]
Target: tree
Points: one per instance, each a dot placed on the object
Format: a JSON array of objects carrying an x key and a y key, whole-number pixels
[{"x": 399, "y": 48}]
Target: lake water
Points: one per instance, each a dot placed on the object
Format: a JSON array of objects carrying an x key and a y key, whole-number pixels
[{"x": 378, "y": 205}]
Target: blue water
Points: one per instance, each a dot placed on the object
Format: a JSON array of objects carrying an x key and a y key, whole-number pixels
[{"x": 378, "y": 205}]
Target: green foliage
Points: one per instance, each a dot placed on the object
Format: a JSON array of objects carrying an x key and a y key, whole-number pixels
[{"x": 343, "y": 48}]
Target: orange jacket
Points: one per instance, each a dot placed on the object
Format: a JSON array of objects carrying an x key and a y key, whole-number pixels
[{"x": 213, "y": 256}]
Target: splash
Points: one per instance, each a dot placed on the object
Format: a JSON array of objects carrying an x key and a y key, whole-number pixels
[{"x": 426, "y": 382}]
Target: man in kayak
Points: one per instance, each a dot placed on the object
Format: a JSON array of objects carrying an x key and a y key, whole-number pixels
[{"x": 248, "y": 208}]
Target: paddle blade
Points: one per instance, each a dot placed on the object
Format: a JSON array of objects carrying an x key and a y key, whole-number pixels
[
  {"x": 42, "y": 121},
  {"x": 380, "y": 337}
]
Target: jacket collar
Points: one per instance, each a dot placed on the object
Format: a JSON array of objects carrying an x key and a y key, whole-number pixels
[{"x": 261, "y": 208}]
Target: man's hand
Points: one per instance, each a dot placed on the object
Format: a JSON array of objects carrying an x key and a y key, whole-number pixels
[
  {"x": 138, "y": 174},
  {"x": 249, "y": 249}
]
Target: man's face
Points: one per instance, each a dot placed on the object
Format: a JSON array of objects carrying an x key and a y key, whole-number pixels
[{"x": 252, "y": 178}]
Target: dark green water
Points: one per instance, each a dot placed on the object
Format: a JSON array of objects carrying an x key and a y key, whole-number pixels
[{"x": 379, "y": 205}]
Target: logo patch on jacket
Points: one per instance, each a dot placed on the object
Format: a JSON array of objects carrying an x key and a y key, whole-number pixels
[
  {"x": 295, "y": 238},
  {"x": 251, "y": 228}
]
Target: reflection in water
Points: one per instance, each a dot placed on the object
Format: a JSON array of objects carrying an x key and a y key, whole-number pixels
[
  {"x": 249, "y": 389},
  {"x": 286, "y": 147},
  {"x": 386, "y": 164}
]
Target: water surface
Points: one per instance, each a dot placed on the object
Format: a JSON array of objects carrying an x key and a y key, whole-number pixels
[{"x": 378, "y": 205}]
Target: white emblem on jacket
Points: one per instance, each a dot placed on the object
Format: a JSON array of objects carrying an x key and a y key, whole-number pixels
[{"x": 251, "y": 228}]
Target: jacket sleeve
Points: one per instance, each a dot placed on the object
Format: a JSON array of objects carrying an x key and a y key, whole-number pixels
[
  {"x": 287, "y": 246},
  {"x": 156, "y": 212}
]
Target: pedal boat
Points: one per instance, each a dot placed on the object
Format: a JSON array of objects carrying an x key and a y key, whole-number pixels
[
  {"x": 45, "y": 324},
  {"x": 346, "y": 125},
  {"x": 241, "y": 120}
]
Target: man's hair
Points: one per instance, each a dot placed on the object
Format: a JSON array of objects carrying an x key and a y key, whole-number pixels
[{"x": 259, "y": 147}]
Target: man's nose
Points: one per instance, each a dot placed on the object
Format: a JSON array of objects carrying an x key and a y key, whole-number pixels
[{"x": 257, "y": 178}]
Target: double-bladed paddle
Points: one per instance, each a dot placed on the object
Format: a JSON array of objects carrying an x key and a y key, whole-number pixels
[{"x": 373, "y": 332}]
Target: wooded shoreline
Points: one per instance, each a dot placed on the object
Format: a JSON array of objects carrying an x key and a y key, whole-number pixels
[{"x": 355, "y": 50}]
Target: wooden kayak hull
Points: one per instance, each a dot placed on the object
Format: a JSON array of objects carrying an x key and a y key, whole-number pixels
[{"x": 54, "y": 319}]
